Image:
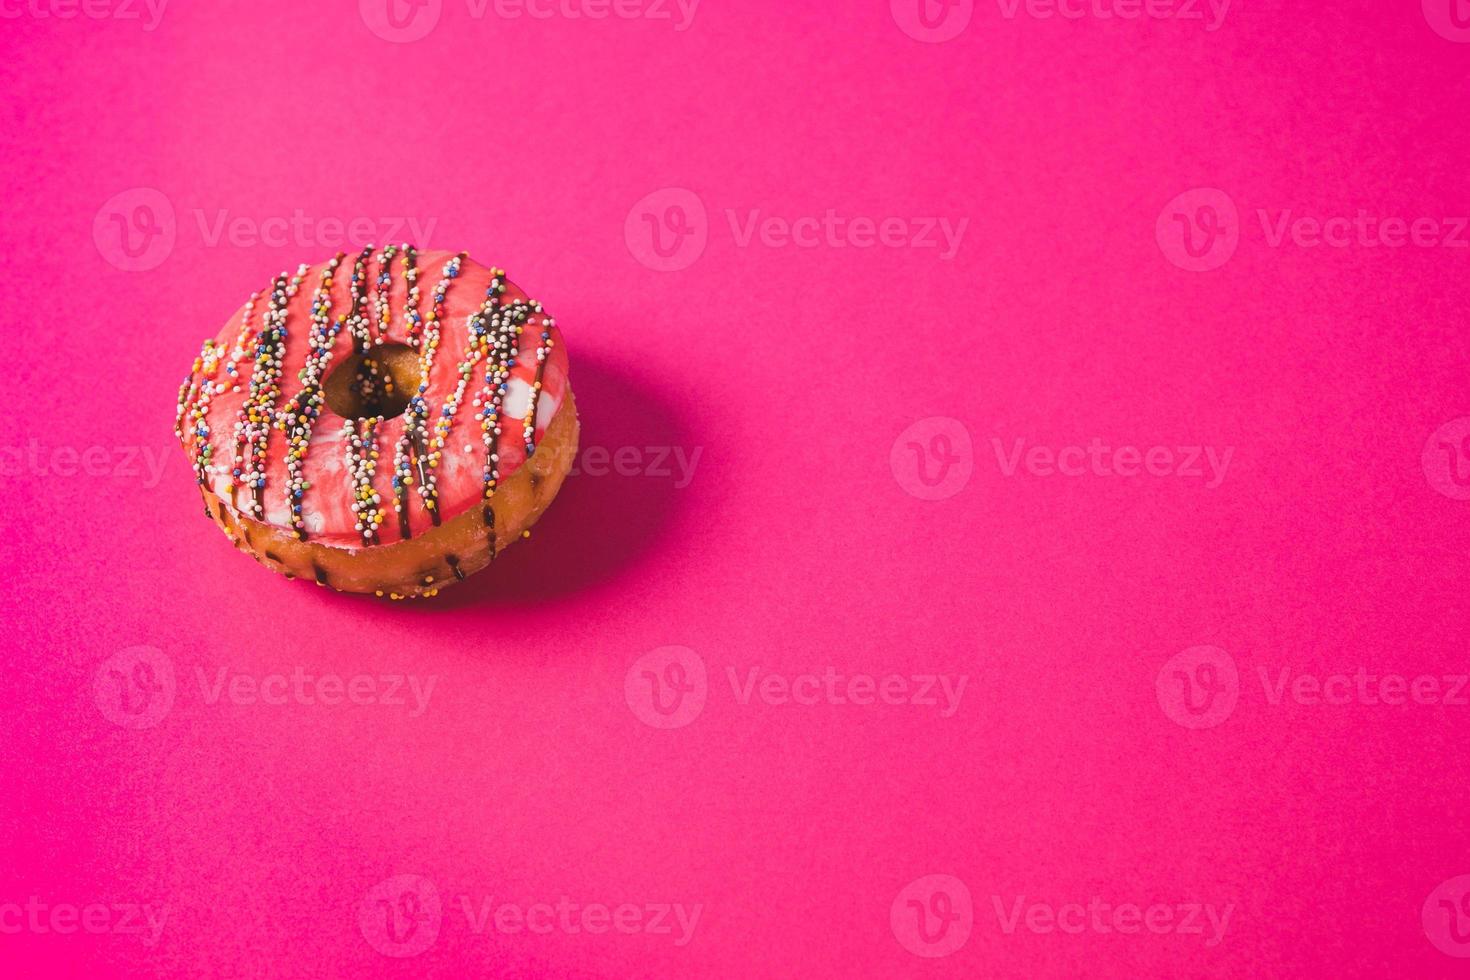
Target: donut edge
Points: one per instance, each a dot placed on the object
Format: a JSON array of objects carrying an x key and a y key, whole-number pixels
[{"x": 420, "y": 566}]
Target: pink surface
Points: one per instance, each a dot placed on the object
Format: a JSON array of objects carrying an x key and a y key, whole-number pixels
[{"x": 1065, "y": 577}]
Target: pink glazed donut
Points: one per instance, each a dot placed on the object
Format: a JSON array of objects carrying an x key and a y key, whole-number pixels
[{"x": 383, "y": 422}]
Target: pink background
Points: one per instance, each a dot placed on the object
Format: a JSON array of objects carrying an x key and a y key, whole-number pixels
[{"x": 803, "y": 540}]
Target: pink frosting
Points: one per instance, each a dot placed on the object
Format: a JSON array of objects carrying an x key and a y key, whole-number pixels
[{"x": 326, "y": 505}]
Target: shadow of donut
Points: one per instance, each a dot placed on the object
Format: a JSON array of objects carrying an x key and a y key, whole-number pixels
[{"x": 605, "y": 519}]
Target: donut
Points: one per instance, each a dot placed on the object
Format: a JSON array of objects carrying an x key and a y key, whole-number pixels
[{"x": 384, "y": 422}]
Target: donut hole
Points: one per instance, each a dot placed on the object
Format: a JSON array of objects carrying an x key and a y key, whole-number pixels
[{"x": 373, "y": 383}]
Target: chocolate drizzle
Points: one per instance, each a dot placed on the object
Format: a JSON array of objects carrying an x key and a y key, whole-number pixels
[
  {"x": 299, "y": 416},
  {"x": 499, "y": 327},
  {"x": 400, "y": 504},
  {"x": 415, "y": 321},
  {"x": 431, "y": 495},
  {"x": 195, "y": 397},
  {"x": 489, "y": 516},
  {"x": 412, "y": 461},
  {"x": 357, "y": 324},
  {"x": 257, "y": 414},
  {"x": 543, "y": 352},
  {"x": 493, "y": 338},
  {"x": 362, "y": 463}
]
